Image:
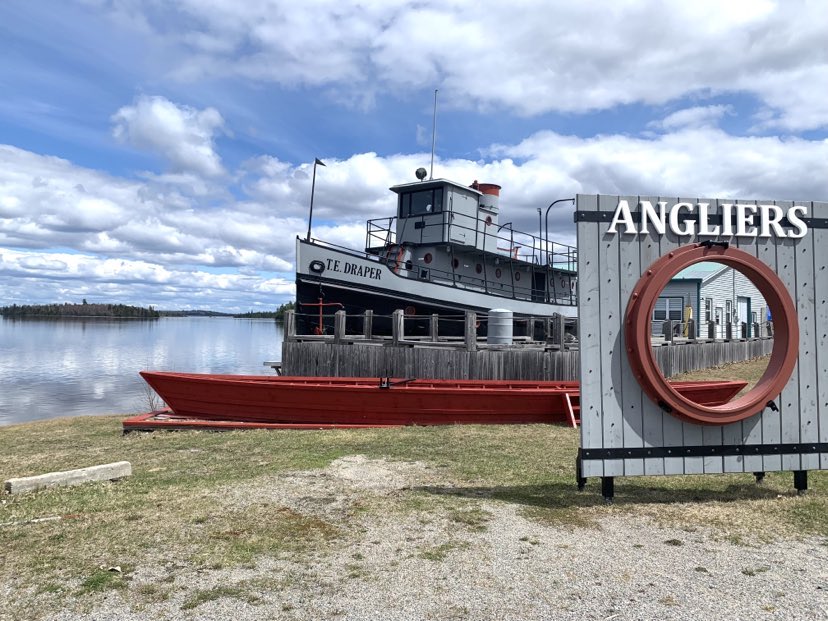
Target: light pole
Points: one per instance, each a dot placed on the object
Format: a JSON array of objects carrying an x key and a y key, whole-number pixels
[
  {"x": 316, "y": 162},
  {"x": 540, "y": 238}
]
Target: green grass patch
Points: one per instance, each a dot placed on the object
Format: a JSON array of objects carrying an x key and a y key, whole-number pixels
[
  {"x": 440, "y": 552},
  {"x": 202, "y": 596},
  {"x": 103, "y": 580}
]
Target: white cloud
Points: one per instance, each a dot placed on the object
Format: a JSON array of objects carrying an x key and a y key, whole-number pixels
[
  {"x": 173, "y": 239},
  {"x": 546, "y": 56},
  {"x": 183, "y": 135},
  {"x": 698, "y": 116}
]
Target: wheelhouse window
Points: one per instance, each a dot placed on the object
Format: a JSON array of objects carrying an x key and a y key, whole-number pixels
[{"x": 421, "y": 202}]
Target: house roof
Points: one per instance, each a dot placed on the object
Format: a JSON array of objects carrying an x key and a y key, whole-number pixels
[{"x": 701, "y": 271}]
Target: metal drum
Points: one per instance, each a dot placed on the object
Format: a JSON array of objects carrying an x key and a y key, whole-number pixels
[{"x": 501, "y": 327}]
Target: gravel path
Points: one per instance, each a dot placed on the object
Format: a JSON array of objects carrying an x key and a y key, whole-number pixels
[{"x": 479, "y": 559}]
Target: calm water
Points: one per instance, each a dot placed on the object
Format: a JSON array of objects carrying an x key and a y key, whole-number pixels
[{"x": 79, "y": 367}]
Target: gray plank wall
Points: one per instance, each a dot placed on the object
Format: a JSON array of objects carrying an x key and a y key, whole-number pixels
[{"x": 615, "y": 412}]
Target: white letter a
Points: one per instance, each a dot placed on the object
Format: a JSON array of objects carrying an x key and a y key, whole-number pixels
[{"x": 622, "y": 215}]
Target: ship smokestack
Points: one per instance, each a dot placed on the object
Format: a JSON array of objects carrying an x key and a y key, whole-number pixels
[{"x": 491, "y": 196}]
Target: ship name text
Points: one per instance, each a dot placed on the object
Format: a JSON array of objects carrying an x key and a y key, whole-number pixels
[{"x": 354, "y": 269}]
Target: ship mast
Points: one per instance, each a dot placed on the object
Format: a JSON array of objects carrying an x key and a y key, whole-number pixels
[{"x": 433, "y": 135}]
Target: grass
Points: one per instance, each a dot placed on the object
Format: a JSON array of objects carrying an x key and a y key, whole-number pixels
[
  {"x": 167, "y": 514},
  {"x": 750, "y": 371}
]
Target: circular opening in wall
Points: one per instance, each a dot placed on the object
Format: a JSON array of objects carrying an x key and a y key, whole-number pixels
[{"x": 649, "y": 312}]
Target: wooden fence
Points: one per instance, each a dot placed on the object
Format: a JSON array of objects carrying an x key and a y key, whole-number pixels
[{"x": 319, "y": 359}]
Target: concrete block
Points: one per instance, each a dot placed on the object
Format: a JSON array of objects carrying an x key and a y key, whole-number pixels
[{"x": 103, "y": 472}]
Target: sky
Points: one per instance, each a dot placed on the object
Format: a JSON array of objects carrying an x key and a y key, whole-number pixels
[{"x": 160, "y": 152}]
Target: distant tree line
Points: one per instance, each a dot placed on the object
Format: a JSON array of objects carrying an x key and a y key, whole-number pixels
[
  {"x": 279, "y": 313},
  {"x": 193, "y": 313},
  {"x": 79, "y": 310}
]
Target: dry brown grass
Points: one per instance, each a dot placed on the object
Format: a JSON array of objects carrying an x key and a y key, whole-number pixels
[{"x": 175, "y": 510}]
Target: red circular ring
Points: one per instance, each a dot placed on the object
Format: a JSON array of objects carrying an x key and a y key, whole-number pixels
[{"x": 640, "y": 352}]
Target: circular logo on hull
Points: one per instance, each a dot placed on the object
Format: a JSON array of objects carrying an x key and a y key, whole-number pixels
[{"x": 317, "y": 266}]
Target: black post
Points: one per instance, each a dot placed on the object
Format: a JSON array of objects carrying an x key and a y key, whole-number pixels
[
  {"x": 313, "y": 188},
  {"x": 608, "y": 489},
  {"x": 579, "y": 472},
  {"x": 801, "y": 481}
]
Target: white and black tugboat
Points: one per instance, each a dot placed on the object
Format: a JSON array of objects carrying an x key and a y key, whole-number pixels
[{"x": 444, "y": 252}]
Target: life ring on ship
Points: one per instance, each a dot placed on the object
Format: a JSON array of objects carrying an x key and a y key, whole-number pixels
[{"x": 398, "y": 260}]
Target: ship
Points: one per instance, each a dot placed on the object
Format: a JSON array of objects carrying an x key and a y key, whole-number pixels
[{"x": 444, "y": 252}]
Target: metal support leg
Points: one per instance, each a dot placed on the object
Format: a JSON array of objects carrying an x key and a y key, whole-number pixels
[
  {"x": 608, "y": 489},
  {"x": 760, "y": 477},
  {"x": 579, "y": 473},
  {"x": 801, "y": 481}
]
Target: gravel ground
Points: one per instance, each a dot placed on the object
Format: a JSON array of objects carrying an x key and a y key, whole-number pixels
[{"x": 459, "y": 558}]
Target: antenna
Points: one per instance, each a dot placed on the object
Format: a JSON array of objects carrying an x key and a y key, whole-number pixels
[{"x": 433, "y": 135}]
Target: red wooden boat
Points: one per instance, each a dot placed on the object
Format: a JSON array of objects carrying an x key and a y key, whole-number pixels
[{"x": 344, "y": 401}]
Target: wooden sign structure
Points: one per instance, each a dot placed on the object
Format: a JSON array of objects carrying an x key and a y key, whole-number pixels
[{"x": 631, "y": 422}]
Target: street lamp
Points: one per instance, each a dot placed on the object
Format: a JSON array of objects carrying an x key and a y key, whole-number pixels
[{"x": 316, "y": 162}]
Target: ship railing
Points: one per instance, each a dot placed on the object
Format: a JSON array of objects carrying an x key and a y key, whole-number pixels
[
  {"x": 356, "y": 253},
  {"x": 380, "y": 233},
  {"x": 517, "y": 284},
  {"x": 522, "y": 254},
  {"x": 476, "y": 233},
  {"x": 405, "y": 327}
]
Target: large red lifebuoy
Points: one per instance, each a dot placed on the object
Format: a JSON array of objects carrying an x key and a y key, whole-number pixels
[{"x": 640, "y": 352}]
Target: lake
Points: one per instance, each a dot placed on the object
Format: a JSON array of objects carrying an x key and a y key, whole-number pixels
[{"x": 51, "y": 368}]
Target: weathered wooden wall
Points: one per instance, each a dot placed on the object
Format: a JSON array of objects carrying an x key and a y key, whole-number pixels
[
  {"x": 618, "y": 419},
  {"x": 319, "y": 359}
]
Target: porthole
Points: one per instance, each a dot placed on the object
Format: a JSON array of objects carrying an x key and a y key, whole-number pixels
[
  {"x": 498, "y": 273},
  {"x": 427, "y": 258},
  {"x": 640, "y": 351},
  {"x": 517, "y": 275},
  {"x": 455, "y": 263},
  {"x": 478, "y": 268}
]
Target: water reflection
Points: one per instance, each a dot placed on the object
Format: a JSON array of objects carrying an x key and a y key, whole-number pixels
[{"x": 55, "y": 368}]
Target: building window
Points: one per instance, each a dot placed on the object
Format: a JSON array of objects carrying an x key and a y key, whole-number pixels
[
  {"x": 718, "y": 315},
  {"x": 708, "y": 310},
  {"x": 728, "y": 311},
  {"x": 668, "y": 308}
]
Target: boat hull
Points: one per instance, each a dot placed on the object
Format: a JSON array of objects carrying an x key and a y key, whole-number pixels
[
  {"x": 358, "y": 282},
  {"x": 364, "y": 401}
]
